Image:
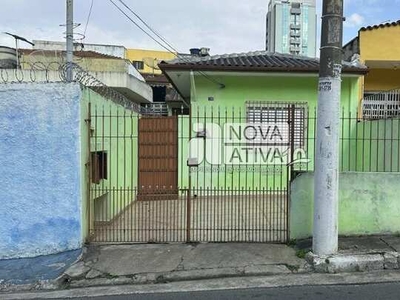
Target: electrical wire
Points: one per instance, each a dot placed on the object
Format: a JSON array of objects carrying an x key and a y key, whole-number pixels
[
  {"x": 164, "y": 40},
  {"x": 88, "y": 19},
  {"x": 148, "y": 26},
  {"x": 138, "y": 26},
  {"x": 172, "y": 50}
]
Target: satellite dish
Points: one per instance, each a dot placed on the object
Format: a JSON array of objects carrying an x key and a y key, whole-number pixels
[{"x": 152, "y": 62}]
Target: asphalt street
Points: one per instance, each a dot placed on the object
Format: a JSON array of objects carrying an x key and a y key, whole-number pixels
[{"x": 385, "y": 291}]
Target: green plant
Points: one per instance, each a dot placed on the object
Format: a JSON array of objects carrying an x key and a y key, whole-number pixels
[{"x": 301, "y": 253}]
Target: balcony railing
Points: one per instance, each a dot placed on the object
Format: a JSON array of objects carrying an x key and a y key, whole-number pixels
[{"x": 382, "y": 105}]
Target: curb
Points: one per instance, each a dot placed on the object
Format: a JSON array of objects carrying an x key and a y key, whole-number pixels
[
  {"x": 74, "y": 279},
  {"x": 345, "y": 263},
  {"x": 188, "y": 275},
  {"x": 310, "y": 279}
]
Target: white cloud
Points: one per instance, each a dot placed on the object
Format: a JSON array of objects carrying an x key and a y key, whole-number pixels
[{"x": 355, "y": 20}]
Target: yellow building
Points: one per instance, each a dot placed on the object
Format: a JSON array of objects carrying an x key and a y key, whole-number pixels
[
  {"x": 146, "y": 61},
  {"x": 378, "y": 48}
]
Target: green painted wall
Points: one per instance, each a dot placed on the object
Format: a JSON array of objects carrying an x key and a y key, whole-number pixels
[
  {"x": 368, "y": 204},
  {"x": 113, "y": 130},
  {"x": 229, "y": 106},
  {"x": 239, "y": 89}
]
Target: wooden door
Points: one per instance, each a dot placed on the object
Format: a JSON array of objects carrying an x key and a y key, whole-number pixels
[{"x": 158, "y": 158}]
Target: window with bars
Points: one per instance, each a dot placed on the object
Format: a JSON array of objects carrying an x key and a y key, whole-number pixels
[{"x": 280, "y": 114}]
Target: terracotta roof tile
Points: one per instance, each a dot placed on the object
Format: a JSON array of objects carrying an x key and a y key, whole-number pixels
[
  {"x": 254, "y": 61},
  {"x": 388, "y": 24}
]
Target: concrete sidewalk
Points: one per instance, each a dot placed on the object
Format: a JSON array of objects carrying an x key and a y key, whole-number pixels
[
  {"x": 160, "y": 263},
  {"x": 104, "y": 265}
]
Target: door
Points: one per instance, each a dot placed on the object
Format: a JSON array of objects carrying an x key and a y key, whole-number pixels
[{"x": 158, "y": 158}]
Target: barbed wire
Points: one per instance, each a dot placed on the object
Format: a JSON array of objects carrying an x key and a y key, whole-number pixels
[{"x": 57, "y": 72}]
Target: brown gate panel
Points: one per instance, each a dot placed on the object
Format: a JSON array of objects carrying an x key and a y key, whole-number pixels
[{"x": 158, "y": 158}]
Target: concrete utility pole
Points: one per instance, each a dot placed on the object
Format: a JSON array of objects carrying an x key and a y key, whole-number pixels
[
  {"x": 326, "y": 177},
  {"x": 70, "y": 38}
]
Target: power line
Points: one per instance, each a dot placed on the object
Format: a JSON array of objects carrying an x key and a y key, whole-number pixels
[
  {"x": 163, "y": 39},
  {"x": 160, "y": 37},
  {"x": 148, "y": 26},
  {"x": 88, "y": 18},
  {"x": 137, "y": 25}
]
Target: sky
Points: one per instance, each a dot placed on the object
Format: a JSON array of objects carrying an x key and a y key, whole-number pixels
[{"x": 224, "y": 26}]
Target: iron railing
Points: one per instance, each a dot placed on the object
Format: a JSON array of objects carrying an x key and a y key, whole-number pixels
[
  {"x": 208, "y": 215},
  {"x": 213, "y": 203},
  {"x": 382, "y": 105}
]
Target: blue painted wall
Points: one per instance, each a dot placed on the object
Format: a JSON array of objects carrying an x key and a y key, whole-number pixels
[{"x": 40, "y": 193}]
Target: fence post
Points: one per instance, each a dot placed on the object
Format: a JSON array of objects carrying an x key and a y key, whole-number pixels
[
  {"x": 292, "y": 126},
  {"x": 188, "y": 214},
  {"x": 89, "y": 173},
  {"x": 189, "y": 190}
]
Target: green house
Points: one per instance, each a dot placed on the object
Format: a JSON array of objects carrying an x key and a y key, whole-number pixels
[
  {"x": 239, "y": 167},
  {"x": 259, "y": 88}
]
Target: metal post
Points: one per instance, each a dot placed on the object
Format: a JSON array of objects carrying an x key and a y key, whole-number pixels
[
  {"x": 189, "y": 190},
  {"x": 17, "y": 52},
  {"x": 89, "y": 175},
  {"x": 70, "y": 38},
  {"x": 326, "y": 177}
]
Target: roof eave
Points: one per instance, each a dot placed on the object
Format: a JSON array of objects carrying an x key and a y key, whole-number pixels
[
  {"x": 181, "y": 67},
  {"x": 176, "y": 88}
]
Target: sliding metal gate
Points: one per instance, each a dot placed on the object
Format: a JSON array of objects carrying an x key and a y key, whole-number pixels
[{"x": 141, "y": 189}]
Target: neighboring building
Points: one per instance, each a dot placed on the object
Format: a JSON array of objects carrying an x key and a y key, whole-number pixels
[
  {"x": 165, "y": 99},
  {"x": 378, "y": 48},
  {"x": 113, "y": 50},
  {"x": 291, "y": 27},
  {"x": 114, "y": 72},
  {"x": 146, "y": 61},
  {"x": 8, "y": 58}
]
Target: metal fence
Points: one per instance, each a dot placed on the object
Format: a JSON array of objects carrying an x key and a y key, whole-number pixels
[
  {"x": 133, "y": 158},
  {"x": 143, "y": 190},
  {"x": 208, "y": 215},
  {"x": 364, "y": 145},
  {"x": 382, "y": 105}
]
